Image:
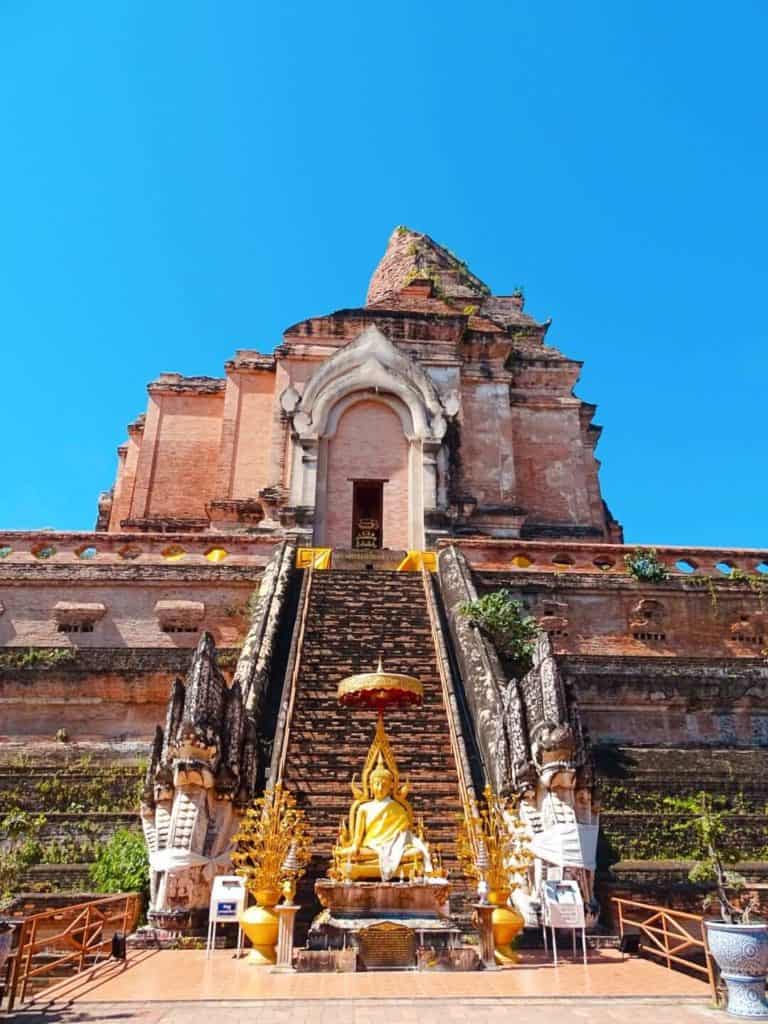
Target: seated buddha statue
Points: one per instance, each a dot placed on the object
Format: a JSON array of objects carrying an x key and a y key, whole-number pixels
[{"x": 380, "y": 838}]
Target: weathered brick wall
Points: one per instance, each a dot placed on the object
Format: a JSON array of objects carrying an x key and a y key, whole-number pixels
[
  {"x": 607, "y": 614},
  {"x": 126, "y": 478},
  {"x": 130, "y": 619},
  {"x": 105, "y": 695},
  {"x": 663, "y": 835},
  {"x": 251, "y": 465},
  {"x": 486, "y": 434},
  {"x": 554, "y": 468},
  {"x": 640, "y": 778},
  {"x": 176, "y": 472}
]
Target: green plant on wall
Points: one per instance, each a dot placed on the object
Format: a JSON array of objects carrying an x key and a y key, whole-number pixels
[
  {"x": 708, "y": 582},
  {"x": 14, "y": 861},
  {"x": 662, "y": 826},
  {"x": 36, "y": 657},
  {"x": 122, "y": 864},
  {"x": 503, "y": 620},
  {"x": 643, "y": 564},
  {"x": 757, "y": 584}
]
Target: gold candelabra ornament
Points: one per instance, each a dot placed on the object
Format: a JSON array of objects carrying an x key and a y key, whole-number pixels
[
  {"x": 491, "y": 849},
  {"x": 272, "y": 849},
  {"x": 291, "y": 871}
]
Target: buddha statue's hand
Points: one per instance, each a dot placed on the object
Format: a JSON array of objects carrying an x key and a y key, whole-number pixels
[{"x": 349, "y": 852}]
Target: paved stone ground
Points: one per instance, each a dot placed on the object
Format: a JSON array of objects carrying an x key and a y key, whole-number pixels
[
  {"x": 615, "y": 1011},
  {"x": 618, "y": 1010},
  {"x": 186, "y": 987}
]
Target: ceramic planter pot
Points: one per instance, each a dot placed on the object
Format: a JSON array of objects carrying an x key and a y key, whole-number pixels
[
  {"x": 261, "y": 925},
  {"x": 741, "y": 952},
  {"x": 507, "y": 923}
]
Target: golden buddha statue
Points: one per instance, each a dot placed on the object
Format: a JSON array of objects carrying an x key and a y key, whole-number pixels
[{"x": 380, "y": 836}]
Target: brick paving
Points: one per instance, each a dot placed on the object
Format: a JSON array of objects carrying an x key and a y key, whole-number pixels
[
  {"x": 387, "y": 1011},
  {"x": 175, "y": 986}
]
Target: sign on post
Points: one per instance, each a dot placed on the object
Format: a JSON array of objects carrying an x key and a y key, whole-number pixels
[
  {"x": 563, "y": 908},
  {"x": 227, "y": 904}
]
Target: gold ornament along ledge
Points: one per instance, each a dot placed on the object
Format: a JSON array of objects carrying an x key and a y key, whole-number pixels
[{"x": 322, "y": 559}]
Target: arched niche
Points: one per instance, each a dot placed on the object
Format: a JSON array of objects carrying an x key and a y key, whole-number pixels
[
  {"x": 367, "y": 448},
  {"x": 370, "y": 369}
]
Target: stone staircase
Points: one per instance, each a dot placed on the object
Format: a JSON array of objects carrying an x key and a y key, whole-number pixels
[{"x": 353, "y": 616}]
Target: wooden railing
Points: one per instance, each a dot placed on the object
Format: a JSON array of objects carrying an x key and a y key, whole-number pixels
[
  {"x": 80, "y": 933},
  {"x": 674, "y": 936}
]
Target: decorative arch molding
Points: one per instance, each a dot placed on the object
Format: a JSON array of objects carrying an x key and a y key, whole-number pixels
[
  {"x": 394, "y": 402},
  {"x": 368, "y": 368},
  {"x": 370, "y": 362}
]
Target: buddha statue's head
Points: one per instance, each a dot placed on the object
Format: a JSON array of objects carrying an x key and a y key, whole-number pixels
[{"x": 381, "y": 781}]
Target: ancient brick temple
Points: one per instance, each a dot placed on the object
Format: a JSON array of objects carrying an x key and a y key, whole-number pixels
[
  {"x": 436, "y": 409},
  {"x": 435, "y": 417}
]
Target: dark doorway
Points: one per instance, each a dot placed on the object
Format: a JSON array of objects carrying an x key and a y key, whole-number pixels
[{"x": 367, "y": 502}]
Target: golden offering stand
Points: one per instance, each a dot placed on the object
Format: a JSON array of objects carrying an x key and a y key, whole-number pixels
[{"x": 386, "y": 891}]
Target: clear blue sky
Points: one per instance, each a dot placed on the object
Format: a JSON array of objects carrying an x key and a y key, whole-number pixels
[{"x": 180, "y": 179}]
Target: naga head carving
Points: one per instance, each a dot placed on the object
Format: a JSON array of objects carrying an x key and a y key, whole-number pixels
[{"x": 553, "y": 748}]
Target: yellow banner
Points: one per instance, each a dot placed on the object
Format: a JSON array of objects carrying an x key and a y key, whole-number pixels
[
  {"x": 317, "y": 558},
  {"x": 414, "y": 561}
]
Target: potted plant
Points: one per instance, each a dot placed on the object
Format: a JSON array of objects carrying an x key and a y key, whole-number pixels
[{"x": 738, "y": 944}]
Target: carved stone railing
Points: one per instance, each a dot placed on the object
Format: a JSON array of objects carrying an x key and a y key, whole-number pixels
[
  {"x": 605, "y": 559},
  {"x": 44, "y": 547}
]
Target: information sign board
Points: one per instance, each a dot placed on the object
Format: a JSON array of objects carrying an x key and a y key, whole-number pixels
[
  {"x": 563, "y": 908},
  {"x": 228, "y": 897}
]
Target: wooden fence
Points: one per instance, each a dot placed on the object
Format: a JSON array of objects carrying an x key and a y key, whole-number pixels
[
  {"x": 675, "y": 937},
  {"x": 80, "y": 934}
]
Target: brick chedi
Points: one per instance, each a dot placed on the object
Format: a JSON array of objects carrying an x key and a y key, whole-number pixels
[
  {"x": 445, "y": 393},
  {"x": 435, "y": 417}
]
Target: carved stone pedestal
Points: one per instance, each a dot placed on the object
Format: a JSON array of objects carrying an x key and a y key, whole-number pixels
[
  {"x": 286, "y": 912},
  {"x": 352, "y": 909},
  {"x": 484, "y": 914},
  {"x": 385, "y": 900}
]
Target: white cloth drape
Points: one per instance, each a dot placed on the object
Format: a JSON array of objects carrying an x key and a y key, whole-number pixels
[
  {"x": 568, "y": 845},
  {"x": 173, "y": 859}
]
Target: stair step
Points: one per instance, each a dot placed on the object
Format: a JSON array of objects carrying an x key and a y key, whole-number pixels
[{"x": 352, "y": 617}]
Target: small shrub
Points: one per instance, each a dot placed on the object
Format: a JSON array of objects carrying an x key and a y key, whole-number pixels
[
  {"x": 503, "y": 620},
  {"x": 122, "y": 864},
  {"x": 644, "y": 565}
]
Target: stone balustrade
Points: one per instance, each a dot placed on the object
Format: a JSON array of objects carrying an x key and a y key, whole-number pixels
[
  {"x": 579, "y": 557},
  {"x": 74, "y": 547}
]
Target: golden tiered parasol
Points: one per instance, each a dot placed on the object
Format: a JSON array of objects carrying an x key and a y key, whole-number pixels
[{"x": 378, "y": 690}]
